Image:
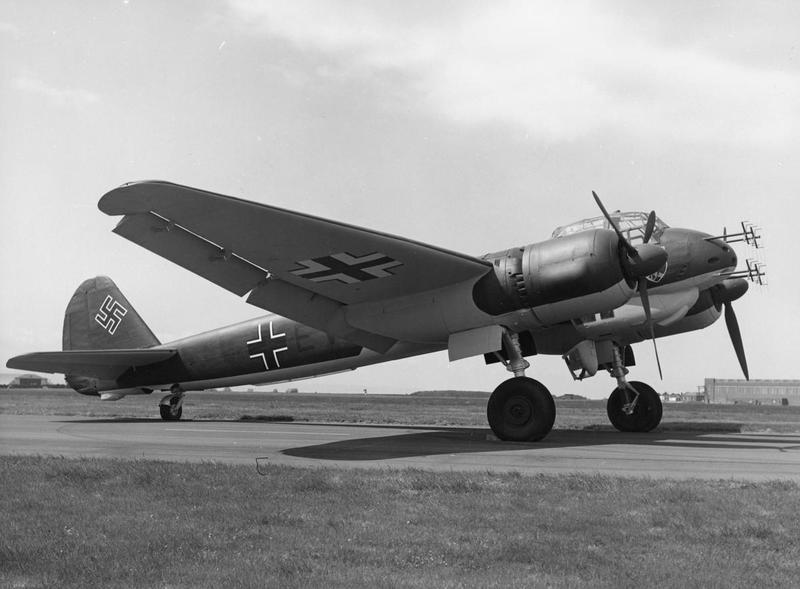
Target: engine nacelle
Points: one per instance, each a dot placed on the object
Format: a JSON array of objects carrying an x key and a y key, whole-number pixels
[{"x": 558, "y": 279}]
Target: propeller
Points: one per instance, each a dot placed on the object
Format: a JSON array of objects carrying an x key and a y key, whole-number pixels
[
  {"x": 723, "y": 295},
  {"x": 736, "y": 338},
  {"x": 640, "y": 263},
  {"x": 628, "y": 247},
  {"x": 651, "y": 224}
]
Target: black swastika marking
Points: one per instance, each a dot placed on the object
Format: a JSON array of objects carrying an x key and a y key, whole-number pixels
[{"x": 110, "y": 315}]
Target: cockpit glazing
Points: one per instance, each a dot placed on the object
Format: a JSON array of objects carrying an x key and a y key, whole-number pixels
[{"x": 631, "y": 224}]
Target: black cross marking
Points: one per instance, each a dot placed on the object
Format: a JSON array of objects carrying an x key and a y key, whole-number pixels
[
  {"x": 267, "y": 350},
  {"x": 346, "y": 268}
]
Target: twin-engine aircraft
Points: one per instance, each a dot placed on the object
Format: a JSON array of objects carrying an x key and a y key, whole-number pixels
[{"x": 346, "y": 296}]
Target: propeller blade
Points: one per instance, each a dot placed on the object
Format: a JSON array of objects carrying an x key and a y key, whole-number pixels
[
  {"x": 628, "y": 247},
  {"x": 651, "y": 224},
  {"x": 736, "y": 338},
  {"x": 648, "y": 315},
  {"x": 655, "y": 349}
]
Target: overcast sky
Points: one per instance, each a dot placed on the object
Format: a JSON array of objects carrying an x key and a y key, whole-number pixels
[{"x": 472, "y": 126}]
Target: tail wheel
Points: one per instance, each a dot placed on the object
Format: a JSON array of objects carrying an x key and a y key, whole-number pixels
[
  {"x": 646, "y": 414},
  {"x": 521, "y": 410}
]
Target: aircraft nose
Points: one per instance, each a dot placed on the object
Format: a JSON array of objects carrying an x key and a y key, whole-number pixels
[
  {"x": 715, "y": 254},
  {"x": 694, "y": 253}
]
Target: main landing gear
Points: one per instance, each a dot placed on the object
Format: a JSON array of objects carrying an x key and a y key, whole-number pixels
[
  {"x": 171, "y": 406},
  {"x": 521, "y": 409},
  {"x": 632, "y": 406}
]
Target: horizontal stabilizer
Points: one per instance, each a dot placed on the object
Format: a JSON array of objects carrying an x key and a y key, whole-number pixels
[{"x": 96, "y": 363}]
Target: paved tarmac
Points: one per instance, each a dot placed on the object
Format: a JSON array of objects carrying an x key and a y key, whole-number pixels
[{"x": 744, "y": 456}]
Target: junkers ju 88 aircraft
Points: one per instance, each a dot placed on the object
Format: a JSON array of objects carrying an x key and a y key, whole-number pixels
[{"x": 346, "y": 296}]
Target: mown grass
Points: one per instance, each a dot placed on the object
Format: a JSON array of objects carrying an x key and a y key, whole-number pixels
[
  {"x": 104, "y": 523},
  {"x": 466, "y": 408}
]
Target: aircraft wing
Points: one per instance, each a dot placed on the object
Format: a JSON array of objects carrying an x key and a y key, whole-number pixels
[
  {"x": 303, "y": 267},
  {"x": 103, "y": 364}
]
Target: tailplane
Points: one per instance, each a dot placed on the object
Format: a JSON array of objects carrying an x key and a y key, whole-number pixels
[
  {"x": 99, "y": 317},
  {"x": 104, "y": 338}
]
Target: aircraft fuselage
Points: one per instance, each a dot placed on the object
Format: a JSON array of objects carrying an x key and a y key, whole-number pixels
[{"x": 267, "y": 349}]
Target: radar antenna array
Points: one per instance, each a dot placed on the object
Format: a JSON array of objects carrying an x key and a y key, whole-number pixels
[
  {"x": 750, "y": 234},
  {"x": 755, "y": 272}
]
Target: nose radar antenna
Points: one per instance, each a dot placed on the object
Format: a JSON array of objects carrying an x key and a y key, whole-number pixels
[
  {"x": 755, "y": 270},
  {"x": 750, "y": 234}
]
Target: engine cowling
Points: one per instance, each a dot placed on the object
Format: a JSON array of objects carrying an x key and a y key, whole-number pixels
[{"x": 558, "y": 279}]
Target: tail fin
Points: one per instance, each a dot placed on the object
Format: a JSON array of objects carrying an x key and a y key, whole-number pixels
[{"x": 99, "y": 317}]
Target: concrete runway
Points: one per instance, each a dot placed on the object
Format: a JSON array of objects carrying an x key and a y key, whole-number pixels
[{"x": 670, "y": 454}]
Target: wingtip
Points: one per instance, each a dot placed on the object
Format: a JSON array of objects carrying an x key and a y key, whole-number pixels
[
  {"x": 129, "y": 198},
  {"x": 24, "y": 362}
]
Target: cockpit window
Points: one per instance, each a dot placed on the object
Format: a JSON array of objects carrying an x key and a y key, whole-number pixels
[{"x": 631, "y": 224}]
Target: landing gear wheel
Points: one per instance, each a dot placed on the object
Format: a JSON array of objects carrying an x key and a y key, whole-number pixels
[
  {"x": 171, "y": 411},
  {"x": 521, "y": 410},
  {"x": 646, "y": 414}
]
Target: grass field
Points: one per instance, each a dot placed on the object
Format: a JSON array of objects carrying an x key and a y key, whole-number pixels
[
  {"x": 431, "y": 408},
  {"x": 106, "y": 523},
  {"x": 103, "y": 523}
]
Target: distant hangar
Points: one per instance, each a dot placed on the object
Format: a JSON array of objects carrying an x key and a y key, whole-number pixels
[
  {"x": 766, "y": 392},
  {"x": 27, "y": 381}
]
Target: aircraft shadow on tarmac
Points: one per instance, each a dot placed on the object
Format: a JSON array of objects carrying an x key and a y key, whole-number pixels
[
  {"x": 433, "y": 440},
  {"x": 469, "y": 440}
]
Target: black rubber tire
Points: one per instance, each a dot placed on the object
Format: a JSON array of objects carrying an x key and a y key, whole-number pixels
[
  {"x": 167, "y": 414},
  {"x": 645, "y": 417},
  {"x": 521, "y": 410}
]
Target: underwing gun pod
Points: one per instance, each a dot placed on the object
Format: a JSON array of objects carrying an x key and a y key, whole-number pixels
[{"x": 342, "y": 296}]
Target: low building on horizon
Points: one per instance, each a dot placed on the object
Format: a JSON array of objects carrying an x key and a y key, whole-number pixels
[
  {"x": 29, "y": 381},
  {"x": 764, "y": 392}
]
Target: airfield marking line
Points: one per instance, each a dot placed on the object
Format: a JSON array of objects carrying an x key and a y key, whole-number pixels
[
  {"x": 738, "y": 443},
  {"x": 262, "y": 431}
]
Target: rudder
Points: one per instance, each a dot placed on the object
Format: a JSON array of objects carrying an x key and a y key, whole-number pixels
[{"x": 99, "y": 317}]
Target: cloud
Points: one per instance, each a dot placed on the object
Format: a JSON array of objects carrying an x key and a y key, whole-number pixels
[
  {"x": 10, "y": 29},
  {"x": 58, "y": 96},
  {"x": 560, "y": 71}
]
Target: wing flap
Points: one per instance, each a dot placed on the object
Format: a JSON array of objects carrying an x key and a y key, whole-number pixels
[
  {"x": 106, "y": 364},
  {"x": 190, "y": 251},
  {"x": 233, "y": 273}
]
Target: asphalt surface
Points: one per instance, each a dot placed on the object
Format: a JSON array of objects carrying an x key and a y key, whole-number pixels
[{"x": 748, "y": 456}]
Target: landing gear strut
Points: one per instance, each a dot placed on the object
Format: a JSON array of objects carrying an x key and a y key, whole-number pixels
[
  {"x": 632, "y": 406},
  {"x": 521, "y": 409},
  {"x": 171, "y": 406}
]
